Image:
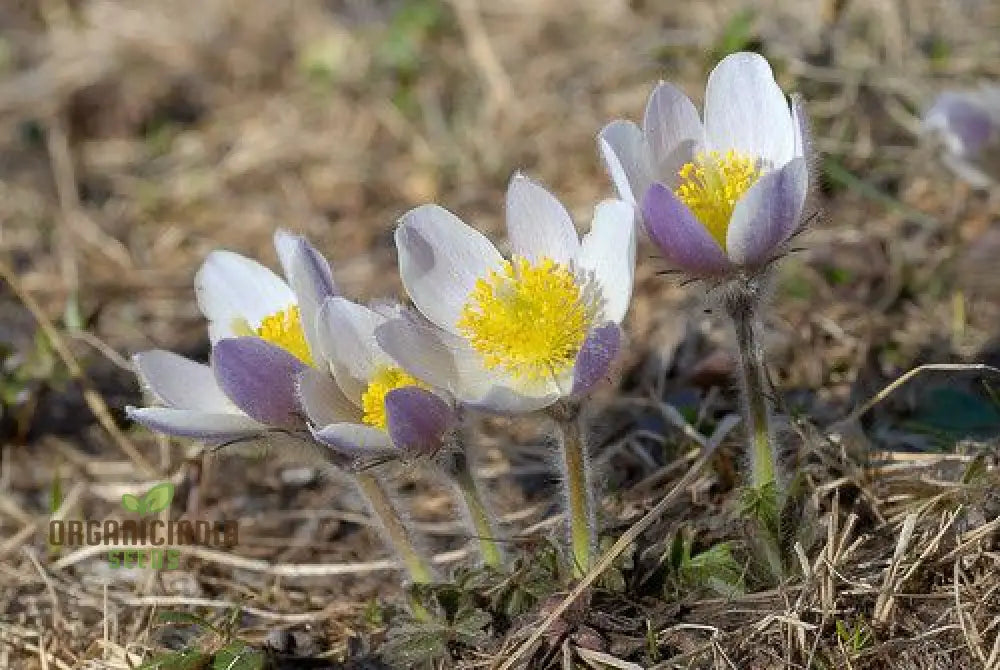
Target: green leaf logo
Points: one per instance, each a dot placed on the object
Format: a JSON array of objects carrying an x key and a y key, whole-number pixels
[
  {"x": 130, "y": 503},
  {"x": 156, "y": 499}
]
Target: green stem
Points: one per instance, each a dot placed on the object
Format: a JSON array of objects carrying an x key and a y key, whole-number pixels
[
  {"x": 579, "y": 497},
  {"x": 479, "y": 515},
  {"x": 388, "y": 517},
  {"x": 741, "y": 309}
]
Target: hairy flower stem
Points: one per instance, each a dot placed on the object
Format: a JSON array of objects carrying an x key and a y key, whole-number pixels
[
  {"x": 479, "y": 515},
  {"x": 741, "y": 306},
  {"x": 392, "y": 525},
  {"x": 579, "y": 493}
]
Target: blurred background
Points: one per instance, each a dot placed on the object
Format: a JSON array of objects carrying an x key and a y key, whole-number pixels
[{"x": 135, "y": 137}]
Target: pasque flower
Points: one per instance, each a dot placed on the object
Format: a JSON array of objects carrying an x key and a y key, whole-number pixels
[
  {"x": 720, "y": 194},
  {"x": 369, "y": 406},
  {"x": 967, "y": 123},
  {"x": 263, "y": 334},
  {"x": 518, "y": 335},
  {"x": 513, "y": 335},
  {"x": 281, "y": 353}
]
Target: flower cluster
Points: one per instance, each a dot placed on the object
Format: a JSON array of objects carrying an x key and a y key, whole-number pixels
[{"x": 534, "y": 331}]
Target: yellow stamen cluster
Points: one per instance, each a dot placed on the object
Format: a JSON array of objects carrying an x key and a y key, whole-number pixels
[
  {"x": 528, "y": 319},
  {"x": 386, "y": 378},
  {"x": 284, "y": 329},
  {"x": 712, "y": 184}
]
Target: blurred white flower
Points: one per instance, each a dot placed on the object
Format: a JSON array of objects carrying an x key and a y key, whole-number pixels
[
  {"x": 967, "y": 123},
  {"x": 513, "y": 335}
]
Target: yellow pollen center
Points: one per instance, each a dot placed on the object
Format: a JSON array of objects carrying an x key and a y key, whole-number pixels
[
  {"x": 386, "y": 378},
  {"x": 284, "y": 329},
  {"x": 712, "y": 184},
  {"x": 527, "y": 319}
]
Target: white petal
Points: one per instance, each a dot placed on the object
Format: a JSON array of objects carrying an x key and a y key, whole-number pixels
[
  {"x": 286, "y": 244},
  {"x": 626, "y": 158},
  {"x": 353, "y": 438},
  {"x": 440, "y": 259},
  {"x": 747, "y": 111},
  {"x": 447, "y": 362},
  {"x": 419, "y": 348},
  {"x": 608, "y": 255},
  {"x": 504, "y": 400},
  {"x": 232, "y": 289},
  {"x": 673, "y": 132},
  {"x": 323, "y": 401},
  {"x": 347, "y": 340},
  {"x": 192, "y": 423},
  {"x": 800, "y": 124},
  {"x": 538, "y": 225},
  {"x": 180, "y": 382}
]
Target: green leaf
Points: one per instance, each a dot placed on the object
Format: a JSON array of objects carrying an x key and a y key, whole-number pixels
[
  {"x": 238, "y": 655},
  {"x": 130, "y": 503},
  {"x": 158, "y": 498},
  {"x": 186, "y": 659}
]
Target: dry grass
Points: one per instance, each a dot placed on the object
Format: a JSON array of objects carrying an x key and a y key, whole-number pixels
[{"x": 139, "y": 136}]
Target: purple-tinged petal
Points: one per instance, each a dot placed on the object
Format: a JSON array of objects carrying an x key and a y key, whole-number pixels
[
  {"x": 767, "y": 215},
  {"x": 596, "y": 356},
  {"x": 964, "y": 126},
  {"x": 206, "y": 426},
  {"x": 685, "y": 243},
  {"x": 417, "y": 419},
  {"x": 260, "y": 378},
  {"x": 310, "y": 277}
]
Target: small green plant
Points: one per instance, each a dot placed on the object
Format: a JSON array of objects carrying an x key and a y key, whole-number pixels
[
  {"x": 714, "y": 568},
  {"x": 451, "y": 617},
  {"x": 155, "y": 500},
  {"x": 855, "y": 637},
  {"x": 216, "y": 647}
]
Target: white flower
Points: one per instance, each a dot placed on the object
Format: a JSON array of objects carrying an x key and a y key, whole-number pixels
[
  {"x": 263, "y": 336},
  {"x": 370, "y": 406},
  {"x": 513, "y": 335},
  {"x": 718, "y": 195}
]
